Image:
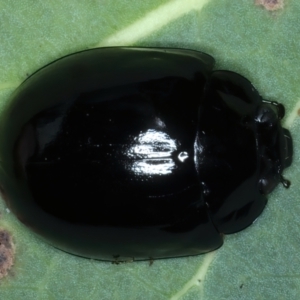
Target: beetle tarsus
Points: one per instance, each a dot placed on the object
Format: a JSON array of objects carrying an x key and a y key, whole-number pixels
[{"x": 285, "y": 182}]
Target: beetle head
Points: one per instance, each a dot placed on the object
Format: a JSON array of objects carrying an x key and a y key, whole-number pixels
[{"x": 274, "y": 144}]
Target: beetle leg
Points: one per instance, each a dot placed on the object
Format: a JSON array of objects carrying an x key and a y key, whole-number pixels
[{"x": 285, "y": 182}]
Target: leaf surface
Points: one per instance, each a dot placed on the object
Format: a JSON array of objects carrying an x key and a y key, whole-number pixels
[{"x": 261, "y": 262}]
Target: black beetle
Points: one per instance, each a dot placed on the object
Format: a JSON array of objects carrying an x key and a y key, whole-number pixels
[{"x": 138, "y": 153}]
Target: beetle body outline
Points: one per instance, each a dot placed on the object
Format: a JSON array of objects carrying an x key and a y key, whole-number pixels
[{"x": 154, "y": 133}]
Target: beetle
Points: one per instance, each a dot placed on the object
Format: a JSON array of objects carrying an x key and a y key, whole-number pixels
[{"x": 124, "y": 153}]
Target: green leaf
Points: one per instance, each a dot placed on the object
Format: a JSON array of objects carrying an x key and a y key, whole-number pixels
[{"x": 261, "y": 262}]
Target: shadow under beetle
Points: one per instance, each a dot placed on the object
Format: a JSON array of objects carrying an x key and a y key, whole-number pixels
[{"x": 121, "y": 153}]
